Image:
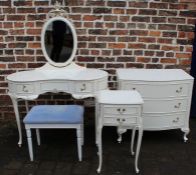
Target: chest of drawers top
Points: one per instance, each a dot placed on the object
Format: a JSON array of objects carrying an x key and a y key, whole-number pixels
[{"x": 153, "y": 75}]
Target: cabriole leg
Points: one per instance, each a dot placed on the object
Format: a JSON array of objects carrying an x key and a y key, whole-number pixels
[
  {"x": 99, "y": 144},
  {"x": 186, "y": 132},
  {"x": 132, "y": 141},
  {"x": 139, "y": 141},
  {"x": 15, "y": 105}
]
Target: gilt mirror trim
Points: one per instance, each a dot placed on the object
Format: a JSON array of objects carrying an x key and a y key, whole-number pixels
[{"x": 43, "y": 45}]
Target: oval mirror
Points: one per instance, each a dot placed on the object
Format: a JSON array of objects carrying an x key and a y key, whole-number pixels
[{"x": 59, "y": 41}]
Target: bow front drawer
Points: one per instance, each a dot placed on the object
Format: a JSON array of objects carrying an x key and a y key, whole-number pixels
[
  {"x": 158, "y": 90},
  {"x": 24, "y": 88}
]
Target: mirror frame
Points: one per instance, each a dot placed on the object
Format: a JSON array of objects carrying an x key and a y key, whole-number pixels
[{"x": 74, "y": 41}]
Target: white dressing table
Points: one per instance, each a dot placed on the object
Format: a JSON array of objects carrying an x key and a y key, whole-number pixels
[
  {"x": 80, "y": 82},
  {"x": 60, "y": 74}
]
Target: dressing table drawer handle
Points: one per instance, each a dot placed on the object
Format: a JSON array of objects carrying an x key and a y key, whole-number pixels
[
  {"x": 176, "y": 120},
  {"x": 24, "y": 88},
  {"x": 83, "y": 87},
  {"x": 179, "y": 90},
  {"x": 178, "y": 105}
]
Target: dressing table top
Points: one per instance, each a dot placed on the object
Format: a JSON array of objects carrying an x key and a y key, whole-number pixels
[{"x": 48, "y": 72}]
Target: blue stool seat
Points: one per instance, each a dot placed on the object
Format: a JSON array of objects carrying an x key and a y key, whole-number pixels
[{"x": 55, "y": 114}]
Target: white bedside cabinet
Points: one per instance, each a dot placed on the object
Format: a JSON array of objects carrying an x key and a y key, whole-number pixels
[
  {"x": 167, "y": 96},
  {"x": 119, "y": 108}
]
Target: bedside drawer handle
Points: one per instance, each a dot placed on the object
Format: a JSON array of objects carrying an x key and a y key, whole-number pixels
[
  {"x": 179, "y": 90},
  {"x": 83, "y": 87},
  {"x": 25, "y": 89},
  {"x": 118, "y": 120},
  {"x": 176, "y": 120},
  {"x": 177, "y": 106},
  {"x": 120, "y": 110}
]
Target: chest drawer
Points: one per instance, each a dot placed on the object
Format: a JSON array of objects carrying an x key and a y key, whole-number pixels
[
  {"x": 25, "y": 88},
  {"x": 158, "y": 90},
  {"x": 161, "y": 122},
  {"x": 165, "y": 105}
]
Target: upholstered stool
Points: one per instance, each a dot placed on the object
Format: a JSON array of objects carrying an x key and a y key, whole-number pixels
[
  {"x": 121, "y": 108},
  {"x": 55, "y": 116}
]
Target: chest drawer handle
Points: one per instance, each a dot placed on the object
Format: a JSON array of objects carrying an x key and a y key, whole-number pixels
[
  {"x": 24, "y": 88},
  {"x": 118, "y": 109},
  {"x": 134, "y": 88},
  {"x": 176, "y": 120},
  {"x": 179, "y": 90},
  {"x": 83, "y": 87},
  {"x": 123, "y": 120},
  {"x": 178, "y": 105}
]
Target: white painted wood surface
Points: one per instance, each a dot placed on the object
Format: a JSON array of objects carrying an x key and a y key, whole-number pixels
[{"x": 167, "y": 96}]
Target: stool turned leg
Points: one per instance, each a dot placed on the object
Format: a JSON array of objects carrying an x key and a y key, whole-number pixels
[
  {"x": 30, "y": 145},
  {"x": 38, "y": 137},
  {"x": 132, "y": 141},
  {"x": 99, "y": 144},
  {"x": 139, "y": 141},
  {"x": 79, "y": 143},
  {"x": 82, "y": 133}
]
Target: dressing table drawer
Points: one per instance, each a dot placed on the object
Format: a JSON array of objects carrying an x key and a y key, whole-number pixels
[
  {"x": 25, "y": 88},
  {"x": 156, "y": 90},
  {"x": 83, "y": 87},
  {"x": 54, "y": 86}
]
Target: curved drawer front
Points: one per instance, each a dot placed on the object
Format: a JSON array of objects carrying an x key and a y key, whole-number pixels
[
  {"x": 22, "y": 88},
  {"x": 119, "y": 110},
  {"x": 84, "y": 87},
  {"x": 54, "y": 86},
  {"x": 118, "y": 121},
  {"x": 161, "y": 122},
  {"x": 155, "y": 90},
  {"x": 165, "y": 106}
]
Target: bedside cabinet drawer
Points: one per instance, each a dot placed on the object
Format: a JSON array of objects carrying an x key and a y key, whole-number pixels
[
  {"x": 119, "y": 121},
  {"x": 120, "y": 110}
]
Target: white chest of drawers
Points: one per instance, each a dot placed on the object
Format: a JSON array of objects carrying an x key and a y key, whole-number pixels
[{"x": 167, "y": 96}]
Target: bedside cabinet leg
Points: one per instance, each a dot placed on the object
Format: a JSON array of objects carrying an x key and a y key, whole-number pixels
[
  {"x": 132, "y": 141},
  {"x": 99, "y": 140},
  {"x": 139, "y": 141}
]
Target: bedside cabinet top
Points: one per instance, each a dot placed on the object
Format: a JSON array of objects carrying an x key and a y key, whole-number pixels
[{"x": 119, "y": 97}]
